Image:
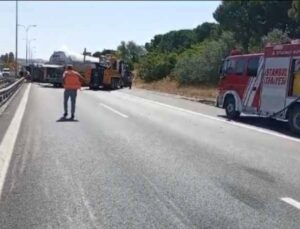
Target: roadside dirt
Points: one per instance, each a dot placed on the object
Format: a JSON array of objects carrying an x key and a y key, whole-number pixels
[{"x": 204, "y": 94}]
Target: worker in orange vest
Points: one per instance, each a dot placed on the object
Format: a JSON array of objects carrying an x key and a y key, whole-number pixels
[{"x": 71, "y": 82}]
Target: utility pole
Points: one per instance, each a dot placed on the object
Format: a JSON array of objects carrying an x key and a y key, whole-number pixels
[
  {"x": 84, "y": 54},
  {"x": 16, "y": 56},
  {"x": 28, "y": 50},
  {"x": 27, "y": 29},
  {"x": 26, "y": 39}
]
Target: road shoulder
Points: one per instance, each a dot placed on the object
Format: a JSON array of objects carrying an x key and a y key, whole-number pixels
[{"x": 8, "y": 110}]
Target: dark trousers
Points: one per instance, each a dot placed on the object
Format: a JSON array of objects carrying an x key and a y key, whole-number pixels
[{"x": 69, "y": 93}]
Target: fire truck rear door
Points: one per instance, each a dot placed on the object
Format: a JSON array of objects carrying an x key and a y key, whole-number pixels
[{"x": 275, "y": 84}]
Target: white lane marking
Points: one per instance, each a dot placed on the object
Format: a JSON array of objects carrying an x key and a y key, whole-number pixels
[
  {"x": 8, "y": 143},
  {"x": 291, "y": 201},
  {"x": 113, "y": 110},
  {"x": 233, "y": 123}
]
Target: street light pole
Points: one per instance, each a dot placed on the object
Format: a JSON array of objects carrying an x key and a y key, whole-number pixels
[
  {"x": 32, "y": 51},
  {"x": 16, "y": 58},
  {"x": 27, "y": 29},
  {"x": 29, "y": 49}
]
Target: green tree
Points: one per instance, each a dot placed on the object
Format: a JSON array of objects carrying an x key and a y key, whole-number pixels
[
  {"x": 200, "y": 65},
  {"x": 11, "y": 57},
  {"x": 153, "y": 44},
  {"x": 206, "y": 30},
  {"x": 97, "y": 54},
  {"x": 155, "y": 66},
  {"x": 276, "y": 36},
  {"x": 130, "y": 52},
  {"x": 294, "y": 11},
  {"x": 174, "y": 41},
  {"x": 104, "y": 52},
  {"x": 250, "y": 20},
  {"x": 108, "y": 51},
  {"x": 5, "y": 58}
]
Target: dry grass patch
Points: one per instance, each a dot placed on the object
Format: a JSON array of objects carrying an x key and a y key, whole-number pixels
[{"x": 172, "y": 87}]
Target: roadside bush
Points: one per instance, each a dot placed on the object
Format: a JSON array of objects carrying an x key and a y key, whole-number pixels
[
  {"x": 201, "y": 64},
  {"x": 276, "y": 36},
  {"x": 155, "y": 66}
]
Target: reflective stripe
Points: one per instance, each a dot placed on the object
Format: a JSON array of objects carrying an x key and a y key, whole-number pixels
[
  {"x": 257, "y": 82},
  {"x": 249, "y": 94},
  {"x": 247, "y": 91}
]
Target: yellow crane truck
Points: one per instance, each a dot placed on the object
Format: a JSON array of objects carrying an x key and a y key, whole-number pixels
[{"x": 108, "y": 75}]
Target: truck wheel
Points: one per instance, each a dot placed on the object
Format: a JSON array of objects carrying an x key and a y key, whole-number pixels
[
  {"x": 112, "y": 84},
  {"x": 231, "y": 113},
  {"x": 118, "y": 84},
  {"x": 294, "y": 120}
]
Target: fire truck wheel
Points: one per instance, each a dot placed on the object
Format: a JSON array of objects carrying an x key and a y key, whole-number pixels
[
  {"x": 294, "y": 120},
  {"x": 231, "y": 113}
]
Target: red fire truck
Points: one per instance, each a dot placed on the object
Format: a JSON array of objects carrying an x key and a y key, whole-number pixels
[{"x": 264, "y": 84}]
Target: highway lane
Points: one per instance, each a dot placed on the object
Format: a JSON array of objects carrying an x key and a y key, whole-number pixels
[{"x": 135, "y": 159}]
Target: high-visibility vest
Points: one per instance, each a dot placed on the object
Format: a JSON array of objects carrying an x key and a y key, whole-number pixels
[{"x": 71, "y": 80}]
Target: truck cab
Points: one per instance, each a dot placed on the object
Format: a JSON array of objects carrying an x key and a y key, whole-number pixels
[{"x": 237, "y": 74}]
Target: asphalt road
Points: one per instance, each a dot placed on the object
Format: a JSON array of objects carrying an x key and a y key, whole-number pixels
[{"x": 135, "y": 159}]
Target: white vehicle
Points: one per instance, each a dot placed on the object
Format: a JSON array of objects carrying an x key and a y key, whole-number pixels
[{"x": 6, "y": 72}]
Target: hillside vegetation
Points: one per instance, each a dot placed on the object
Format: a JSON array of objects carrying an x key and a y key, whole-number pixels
[{"x": 191, "y": 57}]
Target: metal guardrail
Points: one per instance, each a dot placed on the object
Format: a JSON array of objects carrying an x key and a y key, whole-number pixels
[
  {"x": 7, "y": 92},
  {"x": 4, "y": 82}
]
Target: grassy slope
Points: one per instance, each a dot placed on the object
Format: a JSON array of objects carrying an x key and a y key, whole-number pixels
[{"x": 172, "y": 87}]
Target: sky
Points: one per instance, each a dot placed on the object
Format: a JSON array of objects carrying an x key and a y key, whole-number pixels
[{"x": 95, "y": 25}]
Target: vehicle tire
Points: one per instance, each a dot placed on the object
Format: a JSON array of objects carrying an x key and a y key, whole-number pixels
[
  {"x": 231, "y": 113},
  {"x": 112, "y": 84},
  {"x": 119, "y": 84},
  {"x": 294, "y": 120}
]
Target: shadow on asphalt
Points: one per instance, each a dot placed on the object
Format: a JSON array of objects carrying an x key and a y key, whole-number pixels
[
  {"x": 98, "y": 89},
  {"x": 266, "y": 123},
  {"x": 67, "y": 120},
  {"x": 48, "y": 85},
  {"x": 44, "y": 85},
  {"x": 95, "y": 89}
]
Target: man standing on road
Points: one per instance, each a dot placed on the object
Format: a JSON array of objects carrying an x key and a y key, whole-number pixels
[
  {"x": 128, "y": 76},
  {"x": 71, "y": 82},
  {"x": 130, "y": 79}
]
